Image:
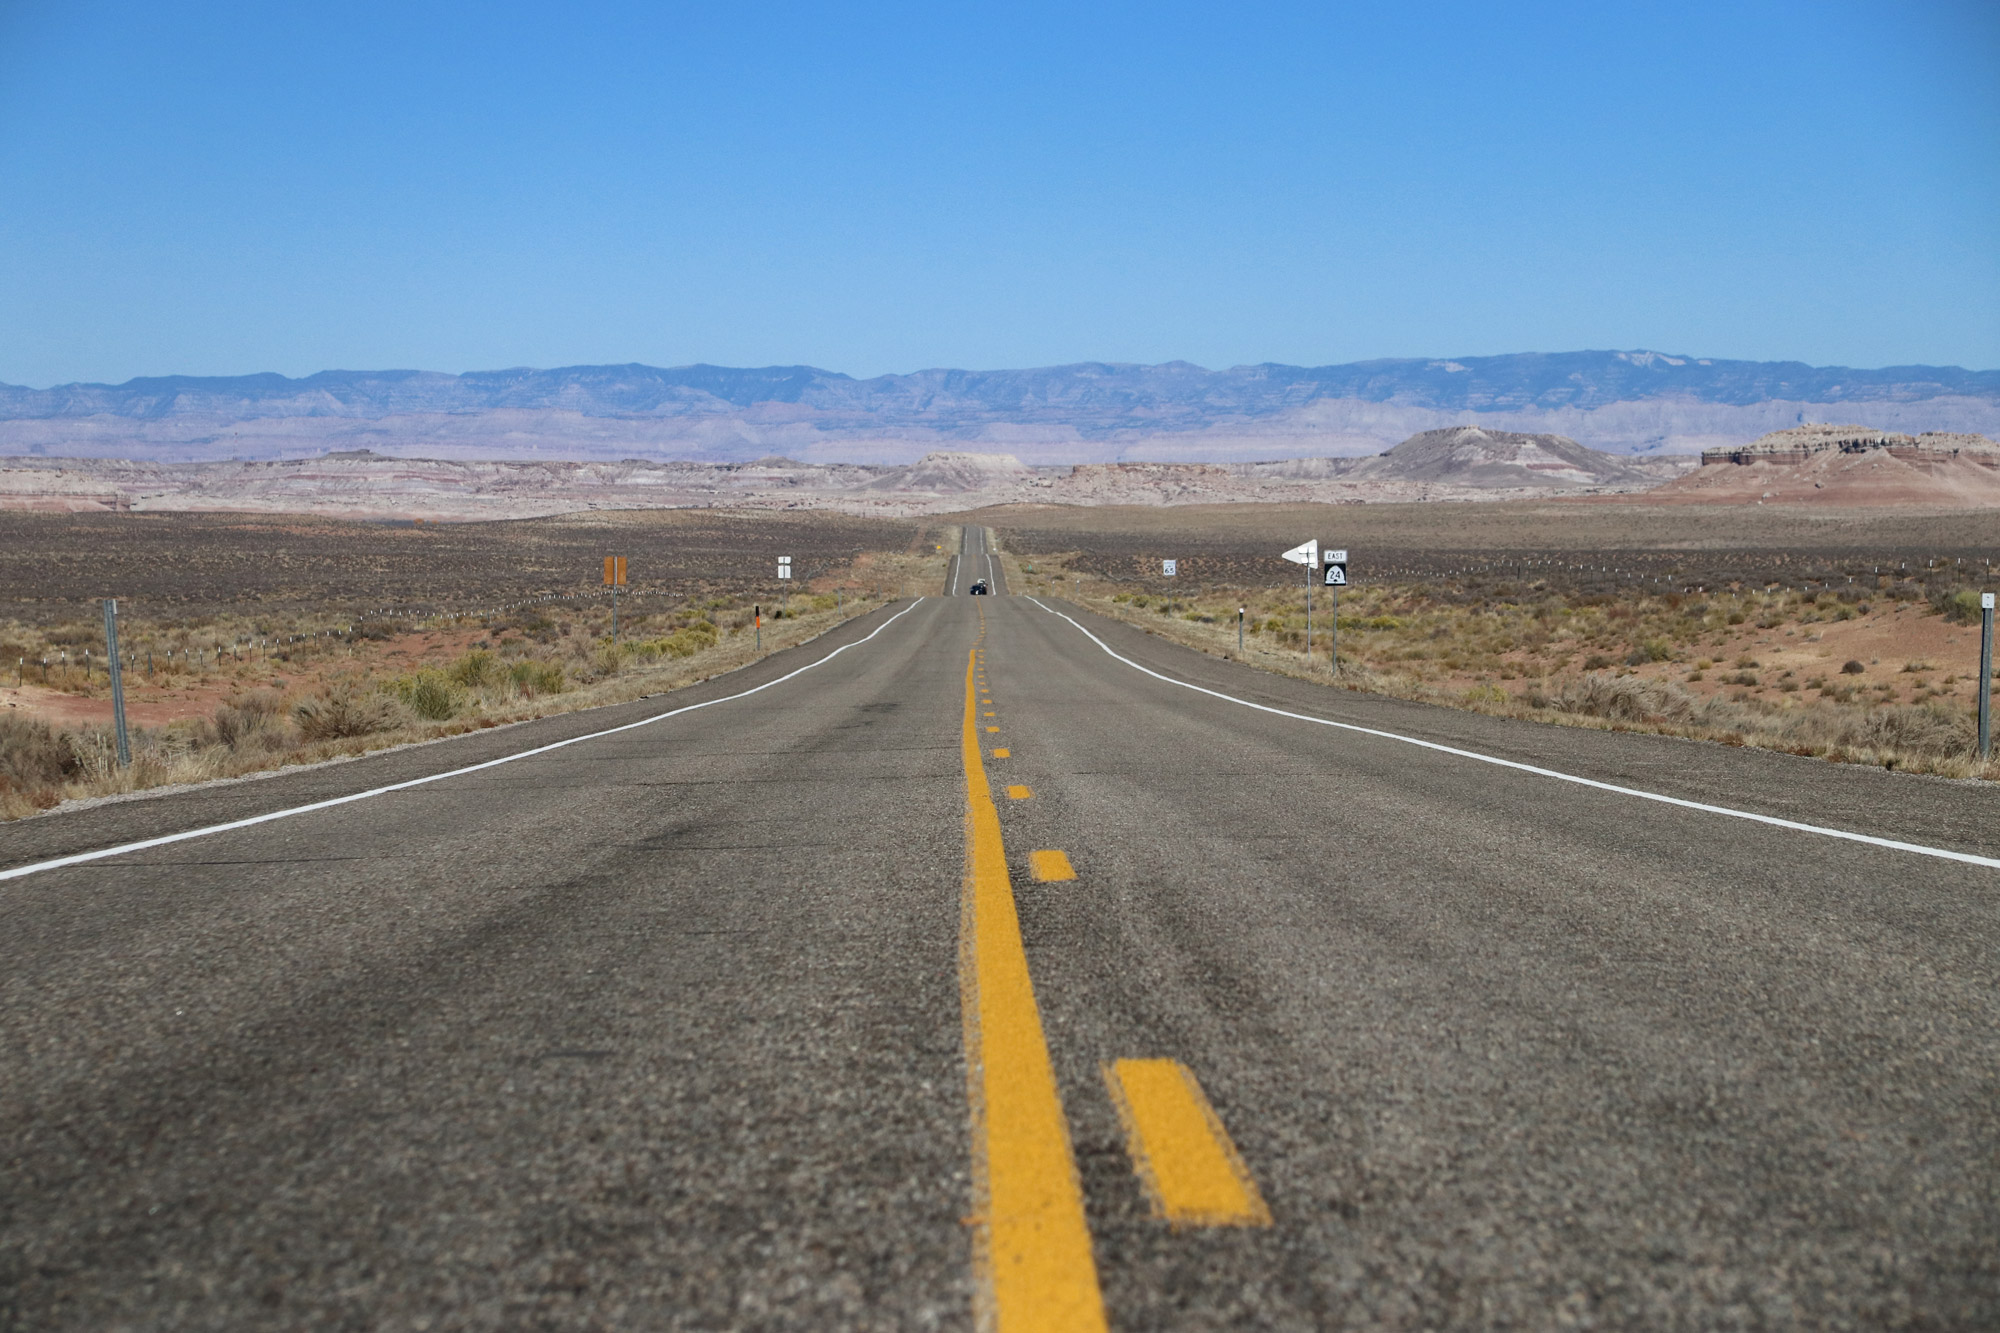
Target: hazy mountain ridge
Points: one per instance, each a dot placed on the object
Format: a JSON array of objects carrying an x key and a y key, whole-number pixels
[
  {"x": 1624, "y": 402},
  {"x": 1090, "y": 396}
]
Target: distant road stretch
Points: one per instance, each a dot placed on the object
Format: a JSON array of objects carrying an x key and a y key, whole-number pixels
[{"x": 967, "y": 965}]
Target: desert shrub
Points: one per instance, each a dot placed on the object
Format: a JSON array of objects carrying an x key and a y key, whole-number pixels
[
  {"x": 1652, "y": 650},
  {"x": 534, "y": 678},
  {"x": 31, "y": 755},
  {"x": 246, "y": 715},
  {"x": 1596, "y": 662},
  {"x": 475, "y": 669},
  {"x": 1960, "y": 606},
  {"x": 1916, "y": 728},
  {"x": 1625, "y": 699},
  {"x": 342, "y": 712},
  {"x": 1851, "y": 668},
  {"x": 429, "y": 694},
  {"x": 689, "y": 640}
]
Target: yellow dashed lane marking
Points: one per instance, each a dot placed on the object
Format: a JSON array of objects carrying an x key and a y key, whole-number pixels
[
  {"x": 1018, "y": 793},
  {"x": 1049, "y": 866},
  {"x": 1031, "y": 1245},
  {"x": 1003, "y": 753},
  {"x": 1192, "y": 1172},
  {"x": 993, "y": 728}
]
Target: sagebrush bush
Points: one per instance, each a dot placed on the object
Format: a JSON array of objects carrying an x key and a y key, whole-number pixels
[
  {"x": 534, "y": 678},
  {"x": 340, "y": 713},
  {"x": 247, "y": 716},
  {"x": 477, "y": 668},
  {"x": 430, "y": 695},
  {"x": 1626, "y": 699},
  {"x": 31, "y": 754}
]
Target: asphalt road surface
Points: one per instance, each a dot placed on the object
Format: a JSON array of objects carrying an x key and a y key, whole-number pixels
[{"x": 722, "y": 1021}]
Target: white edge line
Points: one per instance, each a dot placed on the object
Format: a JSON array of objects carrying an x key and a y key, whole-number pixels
[
  {"x": 126, "y": 848},
  {"x": 1918, "y": 848}
]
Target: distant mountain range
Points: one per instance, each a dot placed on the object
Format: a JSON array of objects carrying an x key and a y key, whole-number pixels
[{"x": 1627, "y": 402}]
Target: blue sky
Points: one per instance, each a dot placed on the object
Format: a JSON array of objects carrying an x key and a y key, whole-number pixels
[{"x": 219, "y": 188}]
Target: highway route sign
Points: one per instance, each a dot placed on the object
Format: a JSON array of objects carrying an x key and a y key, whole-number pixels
[
  {"x": 1170, "y": 567},
  {"x": 1307, "y": 555},
  {"x": 784, "y": 566},
  {"x": 1336, "y": 573}
]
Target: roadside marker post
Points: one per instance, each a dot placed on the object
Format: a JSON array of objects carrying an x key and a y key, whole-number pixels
[
  {"x": 1239, "y": 627},
  {"x": 757, "y": 614},
  {"x": 118, "y": 679},
  {"x": 1985, "y": 675}
]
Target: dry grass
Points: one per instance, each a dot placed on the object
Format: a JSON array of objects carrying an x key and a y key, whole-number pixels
[
  {"x": 1583, "y": 658},
  {"x": 305, "y": 695}
]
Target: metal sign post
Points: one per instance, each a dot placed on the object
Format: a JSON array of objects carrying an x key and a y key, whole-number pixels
[
  {"x": 757, "y": 614},
  {"x": 1336, "y": 579},
  {"x": 1985, "y": 675},
  {"x": 1307, "y": 555},
  {"x": 118, "y": 678},
  {"x": 614, "y": 578}
]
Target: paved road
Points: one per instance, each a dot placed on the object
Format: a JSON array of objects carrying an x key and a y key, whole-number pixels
[{"x": 668, "y": 1028}]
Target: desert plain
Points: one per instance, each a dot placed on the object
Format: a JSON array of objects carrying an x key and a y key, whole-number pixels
[{"x": 255, "y": 640}]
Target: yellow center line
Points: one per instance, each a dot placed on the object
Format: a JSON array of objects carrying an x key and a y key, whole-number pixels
[
  {"x": 1050, "y": 866},
  {"x": 1002, "y": 752},
  {"x": 1031, "y": 1245},
  {"x": 1018, "y": 793},
  {"x": 1192, "y": 1172}
]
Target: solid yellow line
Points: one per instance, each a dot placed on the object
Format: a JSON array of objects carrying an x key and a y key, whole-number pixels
[
  {"x": 1031, "y": 1245},
  {"x": 1192, "y": 1172},
  {"x": 1050, "y": 865}
]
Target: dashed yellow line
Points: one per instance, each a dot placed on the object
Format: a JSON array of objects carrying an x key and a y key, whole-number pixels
[
  {"x": 1192, "y": 1172},
  {"x": 1050, "y": 866},
  {"x": 1018, "y": 793},
  {"x": 1003, "y": 753},
  {"x": 1031, "y": 1245}
]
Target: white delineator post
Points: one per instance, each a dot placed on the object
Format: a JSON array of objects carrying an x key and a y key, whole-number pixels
[{"x": 1985, "y": 674}]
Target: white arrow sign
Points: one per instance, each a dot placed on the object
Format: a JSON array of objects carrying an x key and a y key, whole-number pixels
[{"x": 1304, "y": 555}]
